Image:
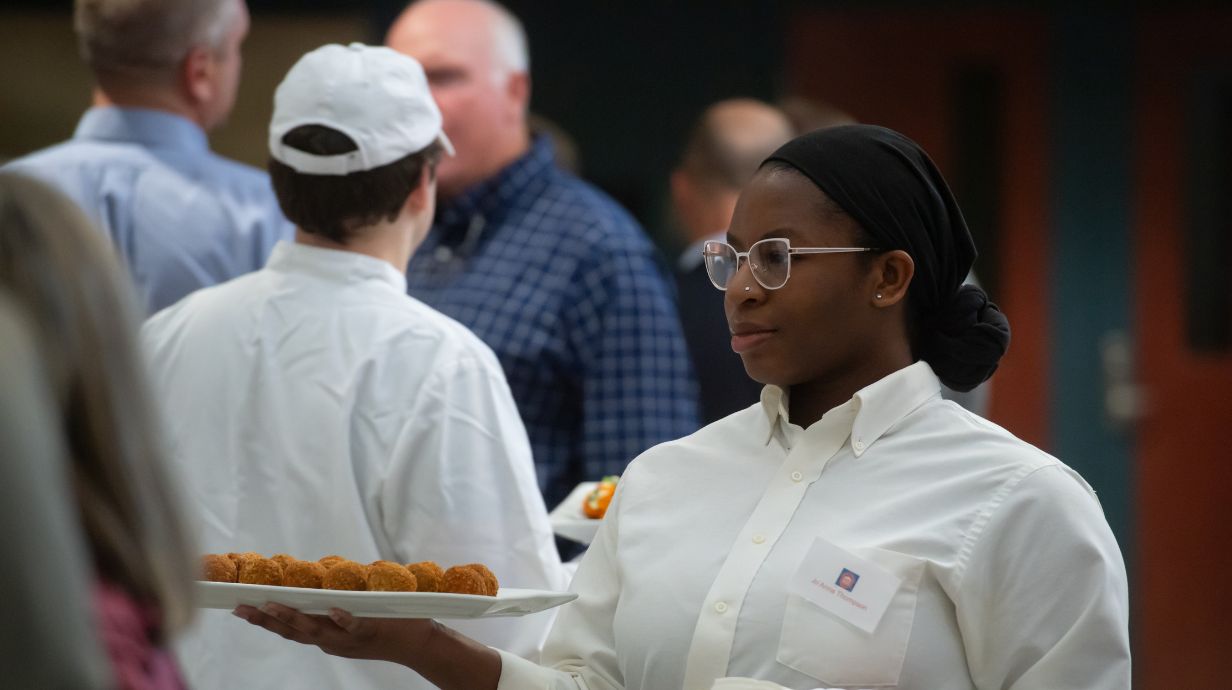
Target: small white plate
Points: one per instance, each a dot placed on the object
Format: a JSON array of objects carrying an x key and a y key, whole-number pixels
[
  {"x": 569, "y": 521},
  {"x": 507, "y": 602}
]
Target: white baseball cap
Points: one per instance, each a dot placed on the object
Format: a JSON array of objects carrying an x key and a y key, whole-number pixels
[{"x": 376, "y": 96}]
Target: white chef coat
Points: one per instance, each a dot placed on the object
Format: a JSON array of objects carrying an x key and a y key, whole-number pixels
[
  {"x": 314, "y": 408},
  {"x": 1010, "y": 576}
]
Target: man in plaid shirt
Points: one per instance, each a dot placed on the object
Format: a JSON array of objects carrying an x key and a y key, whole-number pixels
[{"x": 547, "y": 270}]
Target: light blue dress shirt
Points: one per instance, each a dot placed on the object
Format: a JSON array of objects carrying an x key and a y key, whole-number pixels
[{"x": 180, "y": 216}]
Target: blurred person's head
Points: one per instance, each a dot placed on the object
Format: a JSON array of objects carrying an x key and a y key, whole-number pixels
[
  {"x": 354, "y": 143},
  {"x": 181, "y": 56},
  {"x": 723, "y": 151},
  {"x": 476, "y": 58},
  {"x": 809, "y": 114},
  {"x": 61, "y": 271}
]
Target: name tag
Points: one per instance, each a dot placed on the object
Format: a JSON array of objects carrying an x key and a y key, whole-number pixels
[{"x": 855, "y": 589}]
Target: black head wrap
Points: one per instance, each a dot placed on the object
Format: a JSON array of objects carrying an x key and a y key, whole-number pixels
[{"x": 891, "y": 188}]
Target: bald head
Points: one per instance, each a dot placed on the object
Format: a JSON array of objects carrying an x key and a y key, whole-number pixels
[
  {"x": 474, "y": 54},
  {"x": 732, "y": 138},
  {"x": 726, "y": 147}
]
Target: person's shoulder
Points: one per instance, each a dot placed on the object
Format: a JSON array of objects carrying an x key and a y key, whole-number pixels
[
  {"x": 436, "y": 336},
  {"x": 241, "y": 175},
  {"x": 977, "y": 443},
  {"x": 74, "y": 156},
  {"x": 580, "y": 204}
]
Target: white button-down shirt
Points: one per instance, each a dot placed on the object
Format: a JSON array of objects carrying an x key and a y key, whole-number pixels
[
  {"x": 1010, "y": 576},
  {"x": 314, "y": 408}
]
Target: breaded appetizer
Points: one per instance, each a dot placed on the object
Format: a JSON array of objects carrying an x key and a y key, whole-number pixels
[
  {"x": 427, "y": 574},
  {"x": 490, "y": 585},
  {"x": 218, "y": 568},
  {"x": 346, "y": 575},
  {"x": 463, "y": 580},
  {"x": 260, "y": 571},
  {"x": 305, "y": 574},
  {"x": 329, "y": 561},
  {"x": 284, "y": 560},
  {"x": 384, "y": 576}
]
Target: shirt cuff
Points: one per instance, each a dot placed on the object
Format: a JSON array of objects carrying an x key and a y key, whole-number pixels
[{"x": 519, "y": 674}]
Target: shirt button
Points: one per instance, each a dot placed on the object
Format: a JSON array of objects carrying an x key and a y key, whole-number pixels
[
  {"x": 721, "y": 607},
  {"x": 758, "y": 539},
  {"x": 859, "y": 445},
  {"x": 442, "y": 254},
  {"x": 796, "y": 476}
]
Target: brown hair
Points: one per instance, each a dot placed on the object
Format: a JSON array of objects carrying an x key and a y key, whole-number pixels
[
  {"x": 59, "y": 268},
  {"x": 335, "y": 206}
]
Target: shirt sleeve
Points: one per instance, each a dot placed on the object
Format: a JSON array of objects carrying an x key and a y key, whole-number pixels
[
  {"x": 461, "y": 489},
  {"x": 1044, "y": 601},
  {"x": 580, "y": 653},
  {"x": 637, "y": 382}
]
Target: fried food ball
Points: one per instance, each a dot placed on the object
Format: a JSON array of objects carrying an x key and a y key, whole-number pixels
[
  {"x": 305, "y": 574},
  {"x": 218, "y": 568},
  {"x": 260, "y": 571},
  {"x": 239, "y": 558},
  {"x": 490, "y": 584},
  {"x": 463, "y": 580},
  {"x": 384, "y": 576},
  {"x": 329, "y": 561},
  {"x": 427, "y": 574},
  {"x": 346, "y": 575},
  {"x": 284, "y": 560}
]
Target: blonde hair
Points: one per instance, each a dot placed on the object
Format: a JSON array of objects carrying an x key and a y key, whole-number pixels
[
  {"x": 60, "y": 269},
  {"x": 148, "y": 36}
]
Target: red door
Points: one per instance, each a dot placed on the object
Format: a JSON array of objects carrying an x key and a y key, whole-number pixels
[{"x": 1183, "y": 570}]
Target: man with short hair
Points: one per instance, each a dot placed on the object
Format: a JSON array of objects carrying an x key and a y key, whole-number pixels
[
  {"x": 550, "y": 272},
  {"x": 725, "y": 148},
  {"x": 139, "y": 164},
  {"x": 316, "y": 409}
]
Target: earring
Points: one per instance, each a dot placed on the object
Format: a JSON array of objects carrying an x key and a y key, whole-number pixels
[
  {"x": 747, "y": 288},
  {"x": 878, "y": 295}
]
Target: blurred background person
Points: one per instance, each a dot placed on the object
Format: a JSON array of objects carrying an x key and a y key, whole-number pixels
[
  {"x": 317, "y": 409},
  {"x": 139, "y": 163},
  {"x": 723, "y": 151},
  {"x": 62, "y": 276},
  {"x": 47, "y": 577},
  {"x": 551, "y": 273}
]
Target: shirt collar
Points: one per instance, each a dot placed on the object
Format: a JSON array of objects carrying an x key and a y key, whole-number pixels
[
  {"x": 878, "y": 406},
  {"x": 150, "y": 128},
  {"x": 334, "y": 264},
  {"x": 497, "y": 191}
]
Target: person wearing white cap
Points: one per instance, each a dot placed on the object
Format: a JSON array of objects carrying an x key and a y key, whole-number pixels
[{"x": 316, "y": 409}]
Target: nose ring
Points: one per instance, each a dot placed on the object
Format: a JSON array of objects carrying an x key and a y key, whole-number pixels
[{"x": 747, "y": 288}]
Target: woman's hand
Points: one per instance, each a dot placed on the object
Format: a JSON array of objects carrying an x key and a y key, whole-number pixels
[
  {"x": 341, "y": 634},
  {"x": 443, "y": 656}
]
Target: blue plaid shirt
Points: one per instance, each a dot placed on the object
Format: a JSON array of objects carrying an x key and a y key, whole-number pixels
[{"x": 567, "y": 290}]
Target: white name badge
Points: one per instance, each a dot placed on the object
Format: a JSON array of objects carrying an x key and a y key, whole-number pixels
[{"x": 855, "y": 589}]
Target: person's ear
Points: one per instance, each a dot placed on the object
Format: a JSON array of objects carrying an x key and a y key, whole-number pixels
[
  {"x": 518, "y": 90},
  {"x": 197, "y": 73},
  {"x": 681, "y": 189},
  {"x": 423, "y": 196},
  {"x": 893, "y": 271}
]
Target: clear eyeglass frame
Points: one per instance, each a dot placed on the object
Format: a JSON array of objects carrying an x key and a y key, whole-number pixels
[{"x": 723, "y": 261}]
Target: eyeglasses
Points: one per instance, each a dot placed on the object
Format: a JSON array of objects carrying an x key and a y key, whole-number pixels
[{"x": 769, "y": 260}]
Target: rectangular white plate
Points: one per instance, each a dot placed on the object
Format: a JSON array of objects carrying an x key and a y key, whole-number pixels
[
  {"x": 569, "y": 521},
  {"x": 507, "y": 602}
]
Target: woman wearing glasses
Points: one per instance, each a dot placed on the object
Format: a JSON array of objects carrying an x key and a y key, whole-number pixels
[{"x": 853, "y": 529}]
